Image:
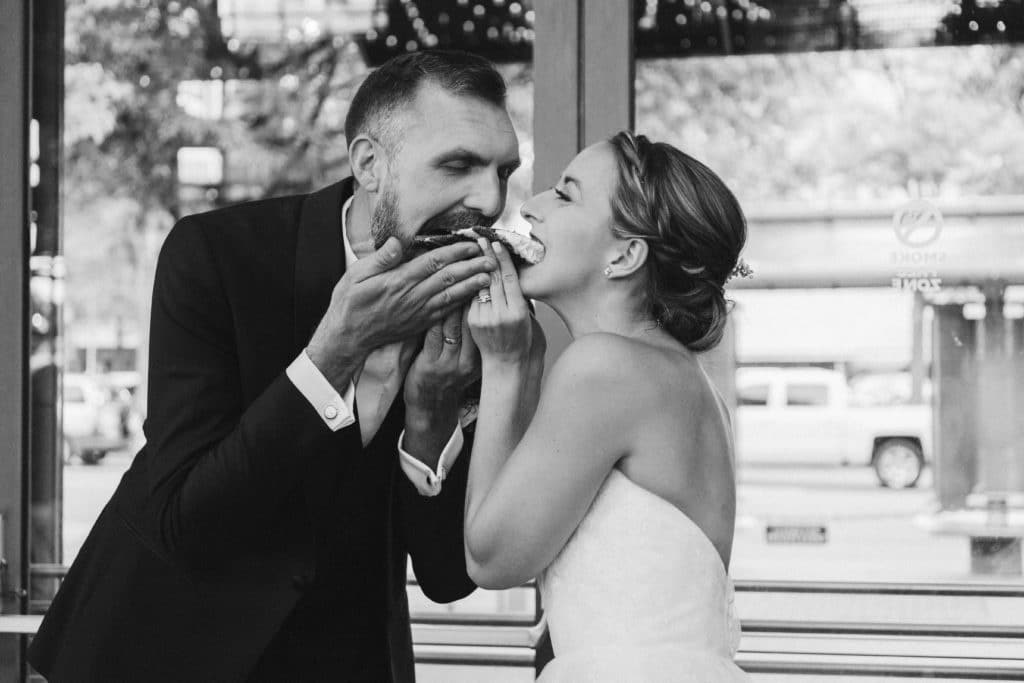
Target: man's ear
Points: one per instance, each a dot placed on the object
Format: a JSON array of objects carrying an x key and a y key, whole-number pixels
[
  {"x": 631, "y": 257},
  {"x": 367, "y": 161}
]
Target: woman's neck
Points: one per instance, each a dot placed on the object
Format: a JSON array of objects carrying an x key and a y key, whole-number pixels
[{"x": 609, "y": 312}]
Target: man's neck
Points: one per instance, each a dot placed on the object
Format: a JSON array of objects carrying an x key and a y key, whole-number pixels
[{"x": 357, "y": 224}]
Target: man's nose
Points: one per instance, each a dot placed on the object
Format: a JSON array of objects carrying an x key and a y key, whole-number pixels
[{"x": 487, "y": 196}]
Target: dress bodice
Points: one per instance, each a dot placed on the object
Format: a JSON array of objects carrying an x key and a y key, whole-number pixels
[{"x": 639, "y": 591}]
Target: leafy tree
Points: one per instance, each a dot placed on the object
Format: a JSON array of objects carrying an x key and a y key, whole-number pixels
[
  {"x": 864, "y": 125},
  {"x": 125, "y": 60}
]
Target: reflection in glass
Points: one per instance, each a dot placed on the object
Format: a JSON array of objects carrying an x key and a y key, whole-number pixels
[
  {"x": 882, "y": 190},
  {"x": 176, "y": 108}
]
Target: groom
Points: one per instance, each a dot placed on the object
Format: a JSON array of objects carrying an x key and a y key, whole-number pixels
[{"x": 303, "y": 435}]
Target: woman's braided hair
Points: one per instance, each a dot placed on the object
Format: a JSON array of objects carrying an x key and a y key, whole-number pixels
[{"x": 694, "y": 229}]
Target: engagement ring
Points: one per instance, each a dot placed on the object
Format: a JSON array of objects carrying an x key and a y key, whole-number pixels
[
  {"x": 484, "y": 296},
  {"x": 450, "y": 340}
]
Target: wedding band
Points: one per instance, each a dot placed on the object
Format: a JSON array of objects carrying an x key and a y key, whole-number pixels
[
  {"x": 450, "y": 340},
  {"x": 484, "y": 296}
]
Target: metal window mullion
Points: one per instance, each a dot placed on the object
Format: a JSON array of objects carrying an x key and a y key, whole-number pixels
[{"x": 14, "y": 253}]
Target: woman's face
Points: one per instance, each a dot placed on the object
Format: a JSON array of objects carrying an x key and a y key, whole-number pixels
[{"x": 573, "y": 220}]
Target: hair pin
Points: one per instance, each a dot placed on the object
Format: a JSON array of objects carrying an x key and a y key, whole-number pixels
[{"x": 742, "y": 270}]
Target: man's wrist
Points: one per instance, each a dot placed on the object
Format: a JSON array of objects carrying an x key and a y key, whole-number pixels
[
  {"x": 337, "y": 367},
  {"x": 427, "y": 433},
  {"x": 440, "y": 419}
]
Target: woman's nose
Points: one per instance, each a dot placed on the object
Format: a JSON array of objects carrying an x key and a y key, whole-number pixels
[{"x": 529, "y": 209}]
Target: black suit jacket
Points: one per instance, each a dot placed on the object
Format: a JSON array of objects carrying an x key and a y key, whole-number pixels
[{"x": 243, "y": 512}]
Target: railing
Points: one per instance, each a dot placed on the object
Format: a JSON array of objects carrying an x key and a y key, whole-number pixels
[
  {"x": 799, "y": 648},
  {"x": 771, "y": 647},
  {"x": 987, "y": 590}
]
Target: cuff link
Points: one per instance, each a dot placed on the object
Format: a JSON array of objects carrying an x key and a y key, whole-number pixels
[{"x": 330, "y": 412}]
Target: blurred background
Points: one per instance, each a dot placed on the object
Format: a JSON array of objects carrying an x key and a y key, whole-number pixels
[{"x": 875, "y": 362}]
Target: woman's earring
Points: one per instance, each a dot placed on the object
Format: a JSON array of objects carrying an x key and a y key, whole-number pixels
[{"x": 607, "y": 271}]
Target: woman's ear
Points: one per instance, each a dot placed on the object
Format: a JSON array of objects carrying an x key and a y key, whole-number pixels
[
  {"x": 629, "y": 259},
  {"x": 367, "y": 162}
]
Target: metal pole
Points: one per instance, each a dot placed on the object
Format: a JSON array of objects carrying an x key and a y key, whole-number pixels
[
  {"x": 47, "y": 272},
  {"x": 15, "y": 40}
]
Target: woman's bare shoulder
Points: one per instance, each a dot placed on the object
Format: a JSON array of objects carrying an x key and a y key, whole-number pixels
[
  {"x": 594, "y": 353},
  {"x": 630, "y": 368}
]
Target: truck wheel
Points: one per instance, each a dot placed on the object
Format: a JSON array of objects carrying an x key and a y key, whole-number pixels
[
  {"x": 898, "y": 463},
  {"x": 92, "y": 457}
]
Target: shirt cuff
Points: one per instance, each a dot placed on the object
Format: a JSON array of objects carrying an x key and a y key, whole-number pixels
[
  {"x": 334, "y": 409},
  {"x": 429, "y": 483}
]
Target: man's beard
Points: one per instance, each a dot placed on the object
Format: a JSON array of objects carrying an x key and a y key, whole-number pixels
[{"x": 384, "y": 222}]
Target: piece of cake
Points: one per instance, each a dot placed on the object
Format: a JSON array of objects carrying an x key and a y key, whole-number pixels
[{"x": 524, "y": 249}]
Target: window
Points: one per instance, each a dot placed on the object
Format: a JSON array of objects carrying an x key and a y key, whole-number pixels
[
  {"x": 260, "y": 112},
  {"x": 806, "y": 395},
  {"x": 752, "y": 395},
  {"x": 865, "y": 266},
  {"x": 73, "y": 394},
  {"x": 856, "y": 136}
]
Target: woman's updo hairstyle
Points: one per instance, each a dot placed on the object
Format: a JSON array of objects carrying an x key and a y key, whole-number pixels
[{"x": 694, "y": 230}]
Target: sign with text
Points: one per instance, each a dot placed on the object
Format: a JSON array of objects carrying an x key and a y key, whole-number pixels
[{"x": 793, "y": 532}]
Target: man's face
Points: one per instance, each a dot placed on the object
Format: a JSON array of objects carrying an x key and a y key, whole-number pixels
[{"x": 450, "y": 168}]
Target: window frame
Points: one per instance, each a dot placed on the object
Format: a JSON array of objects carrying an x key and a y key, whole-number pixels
[{"x": 584, "y": 49}]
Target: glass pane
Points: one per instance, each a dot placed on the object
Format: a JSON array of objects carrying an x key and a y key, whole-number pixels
[
  {"x": 882, "y": 189},
  {"x": 176, "y": 108},
  {"x": 752, "y": 395},
  {"x": 806, "y": 395}
]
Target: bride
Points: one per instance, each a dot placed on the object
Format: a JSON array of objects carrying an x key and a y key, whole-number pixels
[{"x": 614, "y": 483}]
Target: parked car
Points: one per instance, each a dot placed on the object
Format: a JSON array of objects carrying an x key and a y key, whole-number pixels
[
  {"x": 92, "y": 422},
  {"x": 122, "y": 387},
  {"x": 806, "y": 416}
]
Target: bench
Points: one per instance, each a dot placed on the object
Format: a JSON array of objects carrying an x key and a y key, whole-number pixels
[{"x": 994, "y": 523}]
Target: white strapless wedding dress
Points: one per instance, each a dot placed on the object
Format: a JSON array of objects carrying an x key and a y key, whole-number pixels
[{"x": 639, "y": 594}]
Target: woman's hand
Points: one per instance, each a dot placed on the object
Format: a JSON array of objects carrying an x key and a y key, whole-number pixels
[{"x": 503, "y": 327}]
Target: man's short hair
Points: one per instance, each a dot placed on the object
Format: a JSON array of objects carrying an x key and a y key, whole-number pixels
[{"x": 395, "y": 83}]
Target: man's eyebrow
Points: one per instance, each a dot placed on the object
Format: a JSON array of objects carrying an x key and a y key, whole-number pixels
[{"x": 461, "y": 153}]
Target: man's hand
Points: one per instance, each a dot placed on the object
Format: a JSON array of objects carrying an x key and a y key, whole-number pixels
[
  {"x": 382, "y": 300},
  {"x": 448, "y": 363}
]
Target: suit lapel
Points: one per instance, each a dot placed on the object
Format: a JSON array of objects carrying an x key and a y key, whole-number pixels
[{"x": 319, "y": 257}]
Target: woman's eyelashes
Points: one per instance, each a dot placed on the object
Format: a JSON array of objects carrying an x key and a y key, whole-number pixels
[{"x": 562, "y": 197}]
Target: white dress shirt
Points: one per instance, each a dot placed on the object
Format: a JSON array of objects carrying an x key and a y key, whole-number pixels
[{"x": 338, "y": 411}]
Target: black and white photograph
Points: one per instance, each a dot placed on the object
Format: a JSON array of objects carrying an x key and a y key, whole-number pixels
[{"x": 502, "y": 341}]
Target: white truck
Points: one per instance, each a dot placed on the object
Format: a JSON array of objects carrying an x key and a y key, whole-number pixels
[
  {"x": 805, "y": 416},
  {"x": 91, "y": 421}
]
